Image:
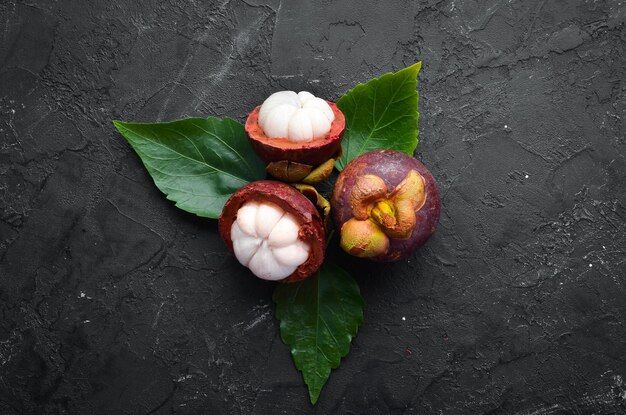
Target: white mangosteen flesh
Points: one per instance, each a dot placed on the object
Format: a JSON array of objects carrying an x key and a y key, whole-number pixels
[
  {"x": 266, "y": 240},
  {"x": 297, "y": 117}
]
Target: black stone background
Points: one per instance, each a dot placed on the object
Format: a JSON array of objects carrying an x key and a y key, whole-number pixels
[{"x": 113, "y": 301}]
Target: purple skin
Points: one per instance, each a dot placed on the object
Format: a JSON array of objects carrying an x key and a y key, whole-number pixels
[{"x": 392, "y": 167}]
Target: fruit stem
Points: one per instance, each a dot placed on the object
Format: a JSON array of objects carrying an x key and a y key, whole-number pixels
[{"x": 384, "y": 213}]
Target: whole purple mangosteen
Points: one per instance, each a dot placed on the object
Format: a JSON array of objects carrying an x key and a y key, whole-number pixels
[{"x": 385, "y": 205}]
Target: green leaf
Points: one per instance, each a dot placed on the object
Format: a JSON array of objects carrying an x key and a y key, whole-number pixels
[
  {"x": 381, "y": 114},
  {"x": 319, "y": 316},
  {"x": 197, "y": 162}
]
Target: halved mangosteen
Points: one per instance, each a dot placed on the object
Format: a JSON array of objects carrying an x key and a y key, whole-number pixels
[{"x": 294, "y": 133}]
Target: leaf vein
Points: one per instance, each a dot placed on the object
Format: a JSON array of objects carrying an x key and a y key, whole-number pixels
[{"x": 187, "y": 157}]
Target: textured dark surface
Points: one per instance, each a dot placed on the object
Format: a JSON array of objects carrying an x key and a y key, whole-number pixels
[{"x": 114, "y": 301}]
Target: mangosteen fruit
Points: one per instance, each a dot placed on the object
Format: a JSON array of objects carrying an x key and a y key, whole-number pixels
[
  {"x": 385, "y": 205},
  {"x": 274, "y": 230},
  {"x": 296, "y": 135}
]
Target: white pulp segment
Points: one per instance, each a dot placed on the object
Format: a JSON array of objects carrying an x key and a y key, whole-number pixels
[
  {"x": 246, "y": 218},
  {"x": 266, "y": 240},
  {"x": 267, "y": 217},
  {"x": 288, "y": 98},
  {"x": 299, "y": 117},
  {"x": 284, "y": 97},
  {"x": 320, "y": 104},
  {"x": 319, "y": 123},
  {"x": 294, "y": 254},
  {"x": 285, "y": 232},
  {"x": 304, "y": 96},
  {"x": 244, "y": 245},
  {"x": 277, "y": 120},
  {"x": 300, "y": 128}
]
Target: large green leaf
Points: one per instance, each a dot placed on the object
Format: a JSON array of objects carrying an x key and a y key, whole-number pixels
[
  {"x": 381, "y": 114},
  {"x": 319, "y": 316},
  {"x": 197, "y": 162}
]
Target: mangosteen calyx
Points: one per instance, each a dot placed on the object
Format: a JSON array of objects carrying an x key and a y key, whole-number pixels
[{"x": 379, "y": 214}]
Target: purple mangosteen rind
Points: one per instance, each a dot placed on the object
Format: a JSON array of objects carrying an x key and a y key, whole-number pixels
[{"x": 392, "y": 167}]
